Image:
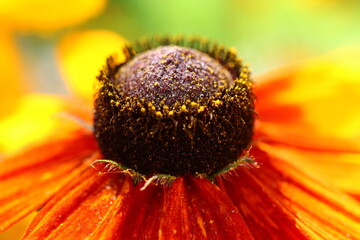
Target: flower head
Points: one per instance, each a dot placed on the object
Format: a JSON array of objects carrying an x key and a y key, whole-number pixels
[
  {"x": 175, "y": 110},
  {"x": 273, "y": 201}
]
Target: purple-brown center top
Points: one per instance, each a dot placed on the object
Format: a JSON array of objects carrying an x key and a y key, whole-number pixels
[{"x": 173, "y": 74}]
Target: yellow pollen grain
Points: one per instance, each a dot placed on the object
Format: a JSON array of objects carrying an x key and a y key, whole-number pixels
[
  {"x": 201, "y": 109},
  {"x": 143, "y": 110},
  {"x": 217, "y": 103},
  {"x": 183, "y": 108},
  {"x": 158, "y": 114},
  {"x": 116, "y": 103},
  {"x": 194, "y": 104},
  {"x": 171, "y": 113},
  {"x": 232, "y": 50}
]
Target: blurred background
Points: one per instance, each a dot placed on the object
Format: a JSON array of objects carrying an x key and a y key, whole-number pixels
[{"x": 266, "y": 33}]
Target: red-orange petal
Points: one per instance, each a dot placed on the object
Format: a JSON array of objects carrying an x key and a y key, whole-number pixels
[
  {"x": 279, "y": 202},
  {"x": 78, "y": 209},
  {"x": 29, "y": 179},
  {"x": 108, "y": 206},
  {"x": 341, "y": 169},
  {"x": 312, "y": 104},
  {"x": 189, "y": 209}
]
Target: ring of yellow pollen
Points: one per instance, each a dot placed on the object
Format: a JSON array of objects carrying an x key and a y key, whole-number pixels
[{"x": 174, "y": 110}]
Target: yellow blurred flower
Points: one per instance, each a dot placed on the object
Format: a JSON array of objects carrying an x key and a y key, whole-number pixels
[
  {"x": 12, "y": 85},
  {"x": 80, "y": 56},
  {"x": 42, "y": 15},
  {"x": 30, "y": 16}
]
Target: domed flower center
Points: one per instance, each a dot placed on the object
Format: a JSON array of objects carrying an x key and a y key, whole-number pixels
[
  {"x": 173, "y": 74},
  {"x": 174, "y": 110}
]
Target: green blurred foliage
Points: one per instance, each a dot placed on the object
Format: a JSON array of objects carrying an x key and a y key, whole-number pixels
[{"x": 266, "y": 33}]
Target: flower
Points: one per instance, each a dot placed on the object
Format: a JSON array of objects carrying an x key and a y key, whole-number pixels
[{"x": 281, "y": 199}]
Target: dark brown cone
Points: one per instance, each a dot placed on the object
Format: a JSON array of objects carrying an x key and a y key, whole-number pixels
[{"x": 173, "y": 110}]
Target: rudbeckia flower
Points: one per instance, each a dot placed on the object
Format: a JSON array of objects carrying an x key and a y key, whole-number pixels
[{"x": 183, "y": 146}]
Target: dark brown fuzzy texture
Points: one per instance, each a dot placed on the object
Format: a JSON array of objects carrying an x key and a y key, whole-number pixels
[{"x": 174, "y": 110}]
